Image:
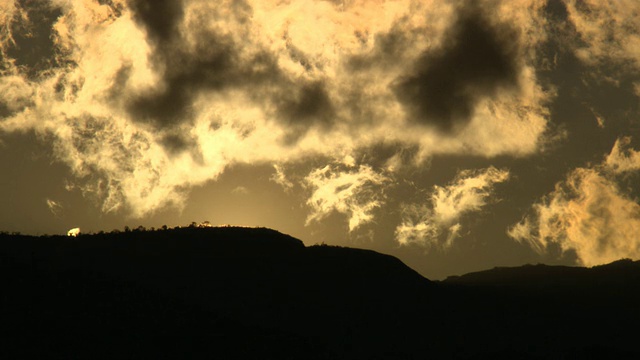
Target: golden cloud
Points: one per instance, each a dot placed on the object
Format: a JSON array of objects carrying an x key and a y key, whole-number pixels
[
  {"x": 588, "y": 213},
  {"x": 145, "y": 102},
  {"x": 437, "y": 222}
]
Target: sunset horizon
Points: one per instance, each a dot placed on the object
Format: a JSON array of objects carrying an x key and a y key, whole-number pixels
[{"x": 456, "y": 136}]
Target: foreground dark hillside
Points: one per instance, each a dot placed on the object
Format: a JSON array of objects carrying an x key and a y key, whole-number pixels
[{"x": 255, "y": 293}]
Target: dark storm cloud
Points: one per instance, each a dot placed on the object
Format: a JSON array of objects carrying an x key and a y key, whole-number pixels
[
  {"x": 175, "y": 142},
  {"x": 478, "y": 57},
  {"x": 217, "y": 63},
  {"x": 214, "y": 64},
  {"x": 5, "y": 111},
  {"x": 159, "y": 17},
  {"x": 309, "y": 104},
  {"x": 167, "y": 103},
  {"x": 33, "y": 49}
]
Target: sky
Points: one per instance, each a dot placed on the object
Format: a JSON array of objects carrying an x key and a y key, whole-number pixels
[{"x": 455, "y": 135}]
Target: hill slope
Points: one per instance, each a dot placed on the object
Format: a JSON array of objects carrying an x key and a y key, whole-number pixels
[{"x": 256, "y": 293}]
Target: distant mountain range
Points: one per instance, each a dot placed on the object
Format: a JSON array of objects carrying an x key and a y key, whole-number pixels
[{"x": 254, "y": 293}]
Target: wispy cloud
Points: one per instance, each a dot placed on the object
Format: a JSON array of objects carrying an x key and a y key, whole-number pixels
[
  {"x": 588, "y": 213},
  {"x": 609, "y": 35},
  {"x": 55, "y": 207},
  {"x": 240, "y": 190},
  {"x": 608, "y": 30},
  {"x": 355, "y": 191},
  {"x": 280, "y": 178},
  {"x": 622, "y": 158},
  {"x": 437, "y": 223}
]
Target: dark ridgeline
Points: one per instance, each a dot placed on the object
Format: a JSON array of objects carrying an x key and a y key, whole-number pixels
[{"x": 244, "y": 293}]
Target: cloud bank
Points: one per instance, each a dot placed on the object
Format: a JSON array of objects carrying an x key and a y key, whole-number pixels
[{"x": 144, "y": 100}]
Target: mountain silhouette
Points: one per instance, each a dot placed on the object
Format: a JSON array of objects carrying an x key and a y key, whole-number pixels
[{"x": 255, "y": 293}]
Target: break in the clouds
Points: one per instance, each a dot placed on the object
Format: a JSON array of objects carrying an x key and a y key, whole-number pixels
[
  {"x": 589, "y": 213},
  {"x": 437, "y": 222},
  {"x": 146, "y": 99}
]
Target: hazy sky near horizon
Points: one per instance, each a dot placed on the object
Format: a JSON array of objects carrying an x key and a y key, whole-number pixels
[{"x": 455, "y": 135}]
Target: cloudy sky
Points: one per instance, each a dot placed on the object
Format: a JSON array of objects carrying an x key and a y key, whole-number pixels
[{"x": 456, "y": 135}]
